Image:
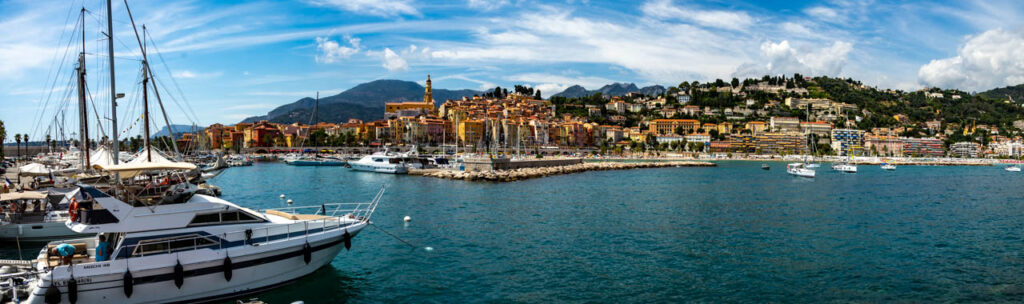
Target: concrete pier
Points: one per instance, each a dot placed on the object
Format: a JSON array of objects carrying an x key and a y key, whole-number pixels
[
  {"x": 495, "y": 164},
  {"x": 526, "y": 173}
]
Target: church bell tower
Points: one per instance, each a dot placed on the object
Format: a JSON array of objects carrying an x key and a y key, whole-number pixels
[{"x": 428, "y": 96}]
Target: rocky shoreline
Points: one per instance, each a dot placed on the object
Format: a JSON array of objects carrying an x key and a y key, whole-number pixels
[{"x": 527, "y": 173}]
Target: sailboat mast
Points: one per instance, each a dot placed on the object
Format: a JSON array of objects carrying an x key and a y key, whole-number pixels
[
  {"x": 145, "y": 107},
  {"x": 113, "y": 92},
  {"x": 83, "y": 112}
]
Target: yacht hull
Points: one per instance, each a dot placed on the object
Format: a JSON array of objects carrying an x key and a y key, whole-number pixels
[
  {"x": 254, "y": 269},
  {"x": 379, "y": 169},
  {"x": 36, "y": 231}
]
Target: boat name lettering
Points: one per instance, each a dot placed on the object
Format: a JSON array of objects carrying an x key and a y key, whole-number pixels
[
  {"x": 96, "y": 266},
  {"x": 62, "y": 283}
]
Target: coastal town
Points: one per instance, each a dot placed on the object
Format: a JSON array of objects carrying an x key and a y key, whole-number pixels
[
  {"x": 497, "y": 151},
  {"x": 770, "y": 116}
]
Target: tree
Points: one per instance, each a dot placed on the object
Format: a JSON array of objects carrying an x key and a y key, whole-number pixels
[
  {"x": 735, "y": 82},
  {"x": 24, "y": 137},
  {"x": 537, "y": 96},
  {"x": 48, "y": 140},
  {"x": 17, "y": 141}
]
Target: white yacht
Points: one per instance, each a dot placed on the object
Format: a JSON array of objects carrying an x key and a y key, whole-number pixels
[
  {"x": 888, "y": 167},
  {"x": 195, "y": 248},
  {"x": 799, "y": 169},
  {"x": 381, "y": 162},
  {"x": 845, "y": 167},
  {"x": 1013, "y": 168},
  {"x": 29, "y": 216}
]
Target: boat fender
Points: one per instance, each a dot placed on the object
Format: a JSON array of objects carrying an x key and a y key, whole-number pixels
[
  {"x": 227, "y": 268},
  {"x": 129, "y": 284},
  {"x": 72, "y": 290},
  {"x": 52, "y": 295},
  {"x": 248, "y": 236},
  {"x": 323, "y": 208},
  {"x": 179, "y": 275},
  {"x": 347, "y": 238},
  {"x": 307, "y": 253}
]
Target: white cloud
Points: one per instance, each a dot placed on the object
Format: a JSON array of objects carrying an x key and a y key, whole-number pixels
[
  {"x": 384, "y": 8},
  {"x": 393, "y": 62},
  {"x": 666, "y": 10},
  {"x": 186, "y": 74},
  {"x": 992, "y": 59},
  {"x": 550, "y": 84},
  {"x": 329, "y": 51},
  {"x": 658, "y": 51},
  {"x": 486, "y": 5},
  {"x": 822, "y": 13},
  {"x": 782, "y": 58}
]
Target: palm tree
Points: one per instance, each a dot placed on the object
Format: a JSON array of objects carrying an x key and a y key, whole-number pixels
[
  {"x": 3, "y": 137},
  {"x": 17, "y": 140}
]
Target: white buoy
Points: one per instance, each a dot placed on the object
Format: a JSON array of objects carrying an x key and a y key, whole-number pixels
[
  {"x": 428, "y": 248},
  {"x": 407, "y": 218},
  {"x": 289, "y": 202},
  {"x": 282, "y": 195}
]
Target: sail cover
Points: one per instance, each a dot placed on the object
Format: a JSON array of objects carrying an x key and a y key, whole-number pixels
[{"x": 35, "y": 169}]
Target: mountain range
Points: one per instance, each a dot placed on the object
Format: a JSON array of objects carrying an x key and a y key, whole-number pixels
[
  {"x": 615, "y": 89},
  {"x": 365, "y": 101}
]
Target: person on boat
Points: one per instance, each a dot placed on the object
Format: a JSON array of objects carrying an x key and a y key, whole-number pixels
[
  {"x": 102, "y": 249},
  {"x": 65, "y": 251}
]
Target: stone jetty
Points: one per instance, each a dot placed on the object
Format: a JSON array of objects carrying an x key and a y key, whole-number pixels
[{"x": 527, "y": 173}]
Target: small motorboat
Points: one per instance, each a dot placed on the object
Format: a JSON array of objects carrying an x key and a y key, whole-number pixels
[
  {"x": 888, "y": 167},
  {"x": 765, "y": 167},
  {"x": 1014, "y": 168}
]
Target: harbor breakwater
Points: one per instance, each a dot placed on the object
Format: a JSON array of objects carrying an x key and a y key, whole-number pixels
[{"x": 527, "y": 173}]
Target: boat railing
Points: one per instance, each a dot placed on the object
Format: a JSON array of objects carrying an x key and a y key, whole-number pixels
[
  {"x": 362, "y": 210},
  {"x": 255, "y": 236}
]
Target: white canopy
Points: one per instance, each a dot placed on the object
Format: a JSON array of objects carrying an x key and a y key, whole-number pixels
[
  {"x": 153, "y": 157},
  {"x": 35, "y": 169},
  {"x": 131, "y": 170},
  {"x": 33, "y": 195},
  {"x": 101, "y": 157}
]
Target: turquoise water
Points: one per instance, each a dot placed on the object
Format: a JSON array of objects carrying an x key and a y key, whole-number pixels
[{"x": 733, "y": 233}]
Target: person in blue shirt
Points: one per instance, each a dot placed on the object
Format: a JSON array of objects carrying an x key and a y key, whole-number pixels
[
  {"x": 102, "y": 249},
  {"x": 65, "y": 251}
]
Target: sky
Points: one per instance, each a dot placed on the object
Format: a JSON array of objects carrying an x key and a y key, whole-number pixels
[{"x": 222, "y": 61}]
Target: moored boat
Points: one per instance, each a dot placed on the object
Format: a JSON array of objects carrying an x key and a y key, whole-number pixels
[
  {"x": 192, "y": 248},
  {"x": 799, "y": 169},
  {"x": 381, "y": 162}
]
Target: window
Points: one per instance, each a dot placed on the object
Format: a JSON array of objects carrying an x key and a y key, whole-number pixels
[
  {"x": 206, "y": 218},
  {"x": 223, "y": 218},
  {"x": 172, "y": 244}
]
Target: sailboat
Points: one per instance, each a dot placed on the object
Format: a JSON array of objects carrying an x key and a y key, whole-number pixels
[
  {"x": 314, "y": 160},
  {"x": 845, "y": 166},
  {"x": 171, "y": 243}
]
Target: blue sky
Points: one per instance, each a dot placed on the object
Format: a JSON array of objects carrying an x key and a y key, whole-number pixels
[{"x": 233, "y": 59}]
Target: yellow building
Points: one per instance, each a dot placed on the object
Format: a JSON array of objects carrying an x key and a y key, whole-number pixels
[
  {"x": 412, "y": 108},
  {"x": 471, "y": 131},
  {"x": 668, "y": 126}
]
